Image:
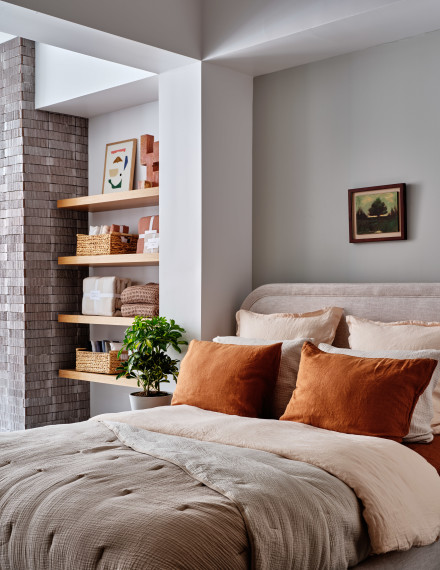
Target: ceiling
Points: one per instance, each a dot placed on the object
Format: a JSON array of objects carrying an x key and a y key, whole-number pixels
[
  {"x": 252, "y": 36},
  {"x": 259, "y": 38},
  {"x": 255, "y": 37}
]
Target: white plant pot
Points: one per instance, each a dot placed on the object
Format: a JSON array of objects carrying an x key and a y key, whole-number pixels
[{"x": 146, "y": 402}]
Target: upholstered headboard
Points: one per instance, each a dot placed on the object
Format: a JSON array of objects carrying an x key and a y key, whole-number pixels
[{"x": 377, "y": 301}]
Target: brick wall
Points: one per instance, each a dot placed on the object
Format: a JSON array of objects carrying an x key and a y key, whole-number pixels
[{"x": 43, "y": 157}]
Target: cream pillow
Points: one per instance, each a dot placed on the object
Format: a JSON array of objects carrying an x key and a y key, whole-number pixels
[
  {"x": 401, "y": 335},
  {"x": 320, "y": 326},
  {"x": 286, "y": 381},
  {"x": 420, "y": 427}
]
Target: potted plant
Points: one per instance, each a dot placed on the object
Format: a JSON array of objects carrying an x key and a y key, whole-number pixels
[{"x": 147, "y": 342}]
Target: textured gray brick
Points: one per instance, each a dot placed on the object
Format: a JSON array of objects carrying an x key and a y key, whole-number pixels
[{"x": 39, "y": 154}]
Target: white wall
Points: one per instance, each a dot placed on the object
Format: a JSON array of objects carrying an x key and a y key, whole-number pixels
[
  {"x": 5, "y": 37},
  {"x": 112, "y": 127},
  {"x": 363, "y": 119},
  {"x": 61, "y": 75}
]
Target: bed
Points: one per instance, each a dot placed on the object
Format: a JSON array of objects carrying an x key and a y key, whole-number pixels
[{"x": 192, "y": 489}]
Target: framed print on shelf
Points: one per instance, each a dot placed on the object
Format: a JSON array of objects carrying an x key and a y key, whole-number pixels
[
  {"x": 119, "y": 166},
  {"x": 377, "y": 213}
]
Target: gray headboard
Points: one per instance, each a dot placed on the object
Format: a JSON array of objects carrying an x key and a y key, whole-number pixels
[{"x": 377, "y": 301}]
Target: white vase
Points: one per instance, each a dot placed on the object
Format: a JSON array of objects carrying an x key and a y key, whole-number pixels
[{"x": 146, "y": 402}]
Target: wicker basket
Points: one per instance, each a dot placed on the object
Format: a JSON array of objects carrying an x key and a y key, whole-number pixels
[
  {"x": 105, "y": 244},
  {"x": 98, "y": 362}
]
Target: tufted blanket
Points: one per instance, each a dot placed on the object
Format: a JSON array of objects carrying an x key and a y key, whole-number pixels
[{"x": 109, "y": 496}]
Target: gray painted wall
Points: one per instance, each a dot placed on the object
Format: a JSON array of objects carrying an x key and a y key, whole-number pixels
[{"x": 363, "y": 119}]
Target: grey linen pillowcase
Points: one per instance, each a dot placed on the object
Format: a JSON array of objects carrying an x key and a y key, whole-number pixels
[
  {"x": 286, "y": 381},
  {"x": 420, "y": 430}
]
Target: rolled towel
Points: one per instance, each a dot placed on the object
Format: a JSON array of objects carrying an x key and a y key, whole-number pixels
[
  {"x": 140, "y": 310},
  {"x": 145, "y": 294}
]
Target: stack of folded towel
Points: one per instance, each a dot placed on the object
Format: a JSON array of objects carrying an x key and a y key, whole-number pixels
[
  {"x": 140, "y": 300},
  {"x": 102, "y": 295}
]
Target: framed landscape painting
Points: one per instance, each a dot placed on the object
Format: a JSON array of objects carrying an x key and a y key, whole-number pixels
[
  {"x": 119, "y": 166},
  {"x": 377, "y": 213}
]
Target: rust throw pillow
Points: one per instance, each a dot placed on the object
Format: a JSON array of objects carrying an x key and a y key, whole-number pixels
[
  {"x": 227, "y": 378},
  {"x": 364, "y": 396}
]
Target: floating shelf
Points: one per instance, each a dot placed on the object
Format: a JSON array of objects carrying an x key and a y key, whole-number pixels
[
  {"x": 119, "y": 260},
  {"x": 102, "y": 378},
  {"x": 114, "y": 201},
  {"x": 96, "y": 320}
]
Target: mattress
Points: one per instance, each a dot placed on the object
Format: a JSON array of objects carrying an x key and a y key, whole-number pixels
[{"x": 430, "y": 451}]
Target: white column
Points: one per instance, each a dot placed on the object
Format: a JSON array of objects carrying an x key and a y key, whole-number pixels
[
  {"x": 180, "y": 200},
  {"x": 205, "y": 123}
]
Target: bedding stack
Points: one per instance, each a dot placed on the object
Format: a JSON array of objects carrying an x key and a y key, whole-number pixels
[
  {"x": 140, "y": 300},
  {"x": 102, "y": 295}
]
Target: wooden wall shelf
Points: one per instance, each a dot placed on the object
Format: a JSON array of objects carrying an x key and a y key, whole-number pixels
[
  {"x": 96, "y": 320},
  {"x": 102, "y": 378},
  {"x": 114, "y": 201},
  {"x": 127, "y": 259}
]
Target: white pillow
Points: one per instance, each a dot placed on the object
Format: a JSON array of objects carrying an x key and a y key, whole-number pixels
[
  {"x": 286, "y": 382},
  {"x": 320, "y": 326},
  {"x": 420, "y": 428}
]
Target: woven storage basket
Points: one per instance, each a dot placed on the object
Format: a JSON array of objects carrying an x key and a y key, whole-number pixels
[
  {"x": 98, "y": 362},
  {"x": 105, "y": 244}
]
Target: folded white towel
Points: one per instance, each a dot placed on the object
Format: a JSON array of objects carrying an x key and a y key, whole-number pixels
[{"x": 101, "y": 295}]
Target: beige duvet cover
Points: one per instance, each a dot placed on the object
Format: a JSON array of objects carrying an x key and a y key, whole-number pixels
[{"x": 400, "y": 491}]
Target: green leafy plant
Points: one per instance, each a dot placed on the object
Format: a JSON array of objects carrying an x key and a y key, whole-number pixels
[{"x": 147, "y": 342}]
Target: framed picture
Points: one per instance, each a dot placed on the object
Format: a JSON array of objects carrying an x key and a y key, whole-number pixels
[
  {"x": 119, "y": 166},
  {"x": 377, "y": 213}
]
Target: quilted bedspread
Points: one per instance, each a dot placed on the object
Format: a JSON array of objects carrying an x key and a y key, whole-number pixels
[{"x": 110, "y": 496}]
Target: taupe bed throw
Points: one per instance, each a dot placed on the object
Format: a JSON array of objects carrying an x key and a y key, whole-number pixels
[{"x": 77, "y": 498}]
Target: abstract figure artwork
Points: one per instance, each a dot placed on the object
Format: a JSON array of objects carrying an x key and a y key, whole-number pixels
[{"x": 119, "y": 166}]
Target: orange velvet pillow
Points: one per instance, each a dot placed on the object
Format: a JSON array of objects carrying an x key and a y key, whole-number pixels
[
  {"x": 227, "y": 378},
  {"x": 364, "y": 396}
]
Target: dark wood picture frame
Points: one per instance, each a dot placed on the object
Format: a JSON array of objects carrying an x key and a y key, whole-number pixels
[{"x": 389, "y": 221}]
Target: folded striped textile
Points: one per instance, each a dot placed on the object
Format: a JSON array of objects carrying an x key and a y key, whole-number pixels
[
  {"x": 141, "y": 310},
  {"x": 144, "y": 294}
]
